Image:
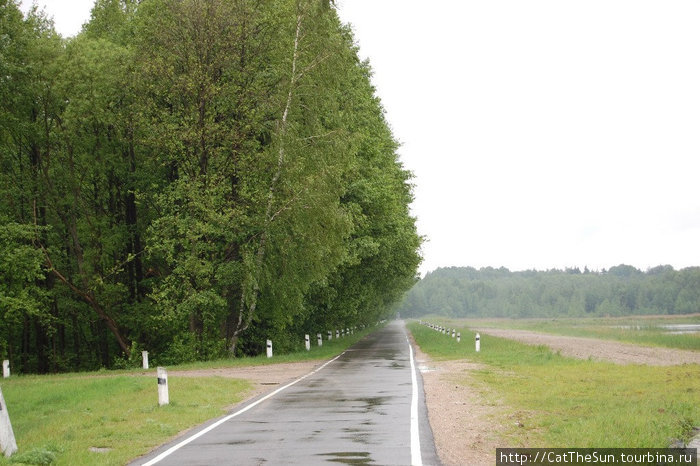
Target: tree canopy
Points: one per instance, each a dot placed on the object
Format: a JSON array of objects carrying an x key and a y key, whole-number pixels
[{"x": 192, "y": 177}]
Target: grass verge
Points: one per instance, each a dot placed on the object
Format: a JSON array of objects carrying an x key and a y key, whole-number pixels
[
  {"x": 86, "y": 420},
  {"x": 554, "y": 401},
  {"x": 112, "y": 417}
]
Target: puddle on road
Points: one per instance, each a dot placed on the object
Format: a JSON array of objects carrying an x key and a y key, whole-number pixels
[
  {"x": 371, "y": 403},
  {"x": 362, "y": 436},
  {"x": 240, "y": 442},
  {"x": 348, "y": 457}
]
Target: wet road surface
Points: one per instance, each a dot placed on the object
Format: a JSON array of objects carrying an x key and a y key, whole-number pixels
[{"x": 355, "y": 410}]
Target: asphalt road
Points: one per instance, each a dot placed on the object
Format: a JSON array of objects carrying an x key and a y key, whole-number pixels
[{"x": 365, "y": 407}]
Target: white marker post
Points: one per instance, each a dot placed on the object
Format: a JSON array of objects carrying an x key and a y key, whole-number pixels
[
  {"x": 319, "y": 338},
  {"x": 8, "y": 444},
  {"x": 330, "y": 335},
  {"x": 144, "y": 357},
  {"x": 307, "y": 342},
  {"x": 459, "y": 337},
  {"x": 337, "y": 334},
  {"x": 5, "y": 369},
  {"x": 163, "y": 396},
  {"x": 454, "y": 333},
  {"x": 478, "y": 342},
  {"x": 269, "y": 348}
]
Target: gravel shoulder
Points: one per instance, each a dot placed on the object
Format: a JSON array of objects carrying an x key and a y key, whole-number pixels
[
  {"x": 465, "y": 423},
  {"x": 601, "y": 350}
]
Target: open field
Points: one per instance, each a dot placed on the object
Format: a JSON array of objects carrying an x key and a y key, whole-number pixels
[
  {"x": 111, "y": 417},
  {"x": 538, "y": 398},
  {"x": 645, "y": 330}
]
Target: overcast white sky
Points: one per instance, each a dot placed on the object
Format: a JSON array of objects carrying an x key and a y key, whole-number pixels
[{"x": 542, "y": 133}]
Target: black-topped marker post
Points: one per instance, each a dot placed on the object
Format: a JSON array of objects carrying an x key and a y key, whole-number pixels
[{"x": 163, "y": 395}]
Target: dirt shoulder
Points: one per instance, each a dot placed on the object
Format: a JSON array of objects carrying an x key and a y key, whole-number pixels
[
  {"x": 603, "y": 350},
  {"x": 465, "y": 423}
]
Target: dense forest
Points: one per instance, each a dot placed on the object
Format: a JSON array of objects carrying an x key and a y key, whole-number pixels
[
  {"x": 490, "y": 292},
  {"x": 191, "y": 177}
]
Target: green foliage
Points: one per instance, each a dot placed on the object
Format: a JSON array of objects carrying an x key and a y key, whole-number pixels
[
  {"x": 41, "y": 455},
  {"x": 202, "y": 175},
  {"x": 488, "y": 292},
  {"x": 20, "y": 268}
]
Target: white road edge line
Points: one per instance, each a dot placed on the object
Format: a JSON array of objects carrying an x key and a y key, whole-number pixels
[
  {"x": 416, "y": 459},
  {"x": 176, "y": 447}
]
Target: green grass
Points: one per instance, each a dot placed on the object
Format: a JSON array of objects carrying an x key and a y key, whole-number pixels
[
  {"x": 58, "y": 418},
  {"x": 554, "y": 401},
  {"x": 643, "y": 330}
]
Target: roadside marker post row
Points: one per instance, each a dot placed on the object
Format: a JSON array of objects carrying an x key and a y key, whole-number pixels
[
  {"x": 454, "y": 333},
  {"x": 307, "y": 341}
]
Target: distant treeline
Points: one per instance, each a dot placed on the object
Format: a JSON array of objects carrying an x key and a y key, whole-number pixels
[
  {"x": 490, "y": 292},
  {"x": 192, "y": 177}
]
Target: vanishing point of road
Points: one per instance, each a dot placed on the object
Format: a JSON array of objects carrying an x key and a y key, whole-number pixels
[{"x": 364, "y": 407}]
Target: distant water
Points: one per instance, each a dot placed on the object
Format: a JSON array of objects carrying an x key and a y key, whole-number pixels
[
  {"x": 681, "y": 328},
  {"x": 675, "y": 329}
]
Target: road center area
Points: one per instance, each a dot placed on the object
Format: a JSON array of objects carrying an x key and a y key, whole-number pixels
[{"x": 356, "y": 409}]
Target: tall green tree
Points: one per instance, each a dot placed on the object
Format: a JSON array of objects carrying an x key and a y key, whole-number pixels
[{"x": 196, "y": 176}]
